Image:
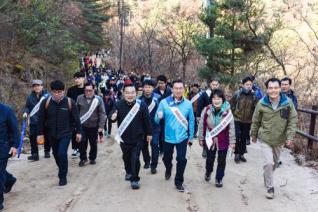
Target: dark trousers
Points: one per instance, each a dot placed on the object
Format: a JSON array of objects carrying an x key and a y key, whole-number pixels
[
  {"x": 161, "y": 136},
  {"x": 242, "y": 134},
  {"x": 131, "y": 154},
  {"x": 195, "y": 125},
  {"x": 75, "y": 144},
  {"x": 59, "y": 147},
  {"x": 154, "y": 151},
  {"x": 47, "y": 145},
  {"x": 209, "y": 163},
  {"x": 34, "y": 144},
  {"x": 89, "y": 135},
  {"x": 145, "y": 152},
  {"x": 108, "y": 126},
  {"x": 5, "y": 177},
  {"x": 168, "y": 149}
]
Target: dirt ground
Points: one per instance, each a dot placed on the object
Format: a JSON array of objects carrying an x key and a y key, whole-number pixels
[{"x": 101, "y": 187}]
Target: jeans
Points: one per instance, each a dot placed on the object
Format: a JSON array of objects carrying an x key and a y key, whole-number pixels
[{"x": 60, "y": 147}]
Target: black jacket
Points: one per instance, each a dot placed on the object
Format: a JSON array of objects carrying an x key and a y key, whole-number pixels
[
  {"x": 74, "y": 92},
  {"x": 166, "y": 93},
  {"x": 203, "y": 101},
  {"x": 139, "y": 127},
  {"x": 58, "y": 118}
]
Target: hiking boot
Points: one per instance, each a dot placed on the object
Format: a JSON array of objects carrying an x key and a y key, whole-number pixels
[
  {"x": 270, "y": 193},
  {"x": 153, "y": 170},
  {"x": 237, "y": 158},
  {"x": 47, "y": 155},
  {"x": 9, "y": 185},
  {"x": 63, "y": 182},
  {"x": 92, "y": 162},
  {"x": 147, "y": 165},
  {"x": 135, "y": 185},
  {"x": 167, "y": 175},
  {"x": 204, "y": 153},
  {"x": 180, "y": 188},
  {"x": 81, "y": 163},
  {"x": 207, "y": 177},
  {"x": 218, "y": 183},
  {"x": 242, "y": 158},
  {"x": 34, "y": 157},
  {"x": 127, "y": 177}
]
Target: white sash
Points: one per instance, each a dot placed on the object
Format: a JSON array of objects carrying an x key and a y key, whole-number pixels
[
  {"x": 179, "y": 116},
  {"x": 37, "y": 106},
  {"x": 88, "y": 114},
  {"x": 196, "y": 97},
  {"x": 152, "y": 106},
  {"x": 208, "y": 92},
  {"x": 127, "y": 120},
  {"x": 216, "y": 130}
]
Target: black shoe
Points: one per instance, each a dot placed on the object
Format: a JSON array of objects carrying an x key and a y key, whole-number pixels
[
  {"x": 204, "y": 153},
  {"x": 81, "y": 163},
  {"x": 153, "y": 171},
  {"x": 167, "y": 175},
  {"x": 207, "y": 177},
  {"x": 270, "y": 193},
  {"x": 248, "y": 141},
  {"x": 9, "y": 186},
  {"x": 92, "y": 162},
  {"x": 242, "y": 158},
  {"x": 180, "y": 188},
  {"x": 135, "y": 185},
  {"x": 47, "y": 155},
  {"x": 34, "y": 157},
  {"x": 63, "y": 182},
  {"x": 218, "y": 183},
  {"x": 127, "y": 177},
  {"x": 237, "y": 158},
  {"x": 147, "y": 165}
]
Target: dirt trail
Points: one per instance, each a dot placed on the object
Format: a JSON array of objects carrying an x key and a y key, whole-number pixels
[{"x": 102, "y": 188}]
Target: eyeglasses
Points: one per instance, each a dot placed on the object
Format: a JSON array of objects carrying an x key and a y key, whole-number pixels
[{"x": 89, "y": 90}]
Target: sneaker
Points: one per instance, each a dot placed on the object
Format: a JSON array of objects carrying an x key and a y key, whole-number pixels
[
  {"x": 242, "y": 158},
  {"x": 63, "y": 182},
  {"x": 135, "y": 185},
  {"x": 34, "y": 157},
  {"x": 81, "y": 163},
  {"x": 147, "y": 165},
  {"x": 207, "y": 177},
  {"x": 237, "y": 158},
  {"x": 270, "y": 193},
  {"x": 74, "y": 153},
  {"x": 218, "y": 183},
  {"x": 47, "y": 155},
  {"x": 108, "y": 136},
  {"x": 127, "y": 177},
  {"x": 167, "y": 175},
  {"x": 204, "y": 153},
  {"x": 153, "y": 170},
  {"x": 9, "y": 186},
  {"x": 78, "y": 153},
  {"x": 92, "y": 162},
  {"x": 180, "y": 188}
]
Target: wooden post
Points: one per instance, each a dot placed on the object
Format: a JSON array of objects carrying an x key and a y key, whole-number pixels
[{"x": 312, "y": 126}]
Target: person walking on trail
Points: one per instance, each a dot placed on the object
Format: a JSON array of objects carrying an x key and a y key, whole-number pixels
[
  {"x": 194, "y": 96},
  {"x": 31, "y": 109},
  {"x": 109, "y": 105},
  {"x": 58, "y": 115},
  {"x": 92, "y": 115},
  {"x": 203, "y": 101},
  {"x": 243, "y": 104},
  {"x": 286, "y": 83},
  {"x": 274, "y": 123},
  {"x": 152, "y": 101},
  {"x": 134, "y": 125},
  {"x": 9, "y": 142},
  {"x": 177, "y": 113},
  {"x": 218, "y": 114},
  {"x": 73, "y": 92}
]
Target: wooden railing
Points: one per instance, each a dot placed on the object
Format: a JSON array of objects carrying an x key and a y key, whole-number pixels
[{"x": 311, "y": 134}]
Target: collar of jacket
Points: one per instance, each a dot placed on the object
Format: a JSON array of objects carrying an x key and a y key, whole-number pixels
[
  {"x": 282, "y": 102},
  {"x": 130, "y": 103},
  {"x": 289, "y": 92}
]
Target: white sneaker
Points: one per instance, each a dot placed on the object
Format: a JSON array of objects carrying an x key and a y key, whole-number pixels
[
  {"x": 270, "y": 193},
  {"x": 74, "y": 154}
]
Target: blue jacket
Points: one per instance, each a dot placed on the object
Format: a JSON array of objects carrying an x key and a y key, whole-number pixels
[
  {"x": 32, "y": 100},
  {"x": 156, "y": 98},
  {"x": 9, "y": 133},
  {"x": 174, "y": 131}
]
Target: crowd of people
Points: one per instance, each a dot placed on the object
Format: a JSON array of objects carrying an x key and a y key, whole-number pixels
[{"x": 151, "y": 112}]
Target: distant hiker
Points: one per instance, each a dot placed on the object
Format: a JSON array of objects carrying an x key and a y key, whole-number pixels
[
  {"x": 58, "y": 115},
  {"x": 73, "y": 92},
  {"x": 218, "y": 114},
  {"x": 194, "y": 96},
  {"x": 134, "y": 125},
  {"x": 92, "y": 115},
  {"x": 109, "y": 105},
  {"x": 31, "y": 109},
  {"x": 243, "y": 104},
  {"x": 274, "y": 123},
  {"x": 9, "y": 142},
  {"x": 286, "y": 83},
  {"x": 178, "y": 117}
]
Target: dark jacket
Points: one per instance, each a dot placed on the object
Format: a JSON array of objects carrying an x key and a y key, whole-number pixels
[
  {"x": 139, "y": 127},
  {"x": 292, "y": 96},
  {"x": 109, "y": 105},
  {"x": 58, "y": 119},
  {"x": 74, "y": 92},
  {"x": 9, "y": 133},
  {"x": 166, "y": 93},
  {"x": 203, "y": 101},
  {"x": 155, "y": 97}
]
